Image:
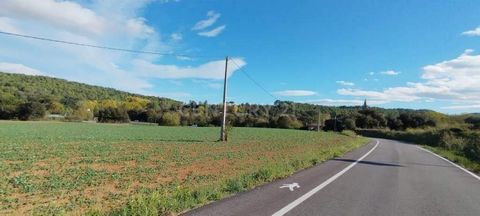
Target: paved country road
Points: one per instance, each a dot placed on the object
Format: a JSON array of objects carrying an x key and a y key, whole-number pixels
[{"x": 384, "y": 177}]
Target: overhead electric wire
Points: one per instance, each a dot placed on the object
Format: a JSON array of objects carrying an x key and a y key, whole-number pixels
[
  {"x": 106, "y": 47},
  {"x": 141, "y": 52},
  {"x": 253, "y": 80}
]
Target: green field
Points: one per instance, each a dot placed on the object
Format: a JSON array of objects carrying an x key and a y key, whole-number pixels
[{"x": 87, "y": 168}]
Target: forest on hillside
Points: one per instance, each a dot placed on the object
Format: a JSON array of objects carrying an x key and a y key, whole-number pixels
[{"x": 25, "y": 97}]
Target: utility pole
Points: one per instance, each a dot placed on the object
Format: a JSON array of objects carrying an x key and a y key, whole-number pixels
[
  {"x": 224, "y": 119},
  {"x": 318, "y": 124},
  {"x": 335, "y": 124}
]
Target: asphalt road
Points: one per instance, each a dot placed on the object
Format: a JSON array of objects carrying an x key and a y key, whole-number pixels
[{"x": 382, "y": 178}]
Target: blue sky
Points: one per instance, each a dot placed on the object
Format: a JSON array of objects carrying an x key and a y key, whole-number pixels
[{"x": 406, "y": 54}]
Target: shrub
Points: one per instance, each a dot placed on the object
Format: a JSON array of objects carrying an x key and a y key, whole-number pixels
[
  {"x": 31, "y": 111},
  {"x": 170, "y": 119},
  {"x": 474, "y": 122},
  {"x": 472, "y": 148},
  {"x": 138, "y": 115},
  {"x": 288, "y": 122},
  {"x": 349, "y": 124},
  {"x": 112, "y": 115}
]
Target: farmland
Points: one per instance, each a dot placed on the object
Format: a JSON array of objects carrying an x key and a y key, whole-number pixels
[{"x": 88, "y": 168}]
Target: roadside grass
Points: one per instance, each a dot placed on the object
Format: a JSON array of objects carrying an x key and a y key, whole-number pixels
[
  {"x": 457, "y": 158},
  {"x": 53, "y": 168}
]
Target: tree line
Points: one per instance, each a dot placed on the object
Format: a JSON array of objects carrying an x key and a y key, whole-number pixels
[{"x": 36, "y": 97}]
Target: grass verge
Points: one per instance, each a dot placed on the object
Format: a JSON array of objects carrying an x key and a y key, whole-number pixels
[{"x": 456, "y": 157}]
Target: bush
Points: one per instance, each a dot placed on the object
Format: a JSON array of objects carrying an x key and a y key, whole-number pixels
[
  {"x": 472, "y": 148},
  {"x": 474, "y": 122},
  {"x": 7, "y": 111},
  {"x": 31, "y": 111},
  {"x": 350, "y": 124},
  {"x": 138, "y": 115},
  {"x": 113, "y": 115},
  {"x": 170, "y": 119},
  {"x": 334, "y": 125},
  {"x": 288, "y": 122},
  {"x": 416, "y": 120}
]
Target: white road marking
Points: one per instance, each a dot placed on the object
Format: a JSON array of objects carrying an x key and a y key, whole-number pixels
[
  {"x": 454, "y": 164},
  {"x": 290, "y": 186},
  {"x": 304, "y": 197}
]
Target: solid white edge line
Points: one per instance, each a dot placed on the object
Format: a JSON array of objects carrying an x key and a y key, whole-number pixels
[
  {"x": 454, "y": 164},
  {"x": 304, "y": 197}
]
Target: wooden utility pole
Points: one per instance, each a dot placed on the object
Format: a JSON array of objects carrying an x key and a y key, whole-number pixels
[
  {"x": 318, "y": 124},
  {"x": 335, "y": 124},
  {"x": 224, "y": 119}
]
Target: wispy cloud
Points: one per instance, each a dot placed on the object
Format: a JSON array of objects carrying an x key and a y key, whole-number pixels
[
  {"x": 295, "y": 93},
  {"x": 342, "y": 102},
  {"x": 7, "y": 25},
  {"x": 213, "y": 70},
  {"x": 213, "y": 33},
  {"x": 456, "y": 80},
  {"x": 212, "y": 17},
  {"x": 345, "y": 83},
  {"x": 19, "y": 69},
  {"x": 390, "y": 73},
  {"x": 462, "y": 107},
  {"x": 176, "y": 37},
  {"x": 64, "y": 14},
  {"x": 202, "y": 25},
  {"x": 473, "y": 32}
]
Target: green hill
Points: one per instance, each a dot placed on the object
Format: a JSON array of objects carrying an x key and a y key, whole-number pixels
[
  {"x": 16, "y": 89},
  {"x": 24, "y": 86}
]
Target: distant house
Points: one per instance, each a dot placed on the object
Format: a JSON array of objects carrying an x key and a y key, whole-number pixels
[{"x": 55, "y": 117}]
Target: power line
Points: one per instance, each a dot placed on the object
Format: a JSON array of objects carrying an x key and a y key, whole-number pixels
[
  {"x": 138, "y": 51},
  {"x": 105, "y": 47},
  {"x": 253, "y": 80}
]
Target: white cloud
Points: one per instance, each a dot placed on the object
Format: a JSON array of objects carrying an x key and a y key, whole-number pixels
[
  {"x": 463, "y": 107},
  {"x": 61, "y": 14},
  {"x": 456, "y": 80},
  {"x": 214, "y": 70},
  {"x": 212, "y": 17},
  {"x": 473, "y": 32},
  {"x": 7, "y": 25},
  {"x": 176, "y": 37},
  {"x": 345, "y": 83},
  {"x": 213, "y": 33},
  {"x": 73, "y": 17},
  {"x": 294, "y": 93},
  {"x": 97, "y": 22},
  {"x": 371, "y": 73},
  {"x": 390, "y": 72},
  {"x": 137, "y": 27},
  {"x": 342, "y": 102},
  {"x": 19, "y": 69}
]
